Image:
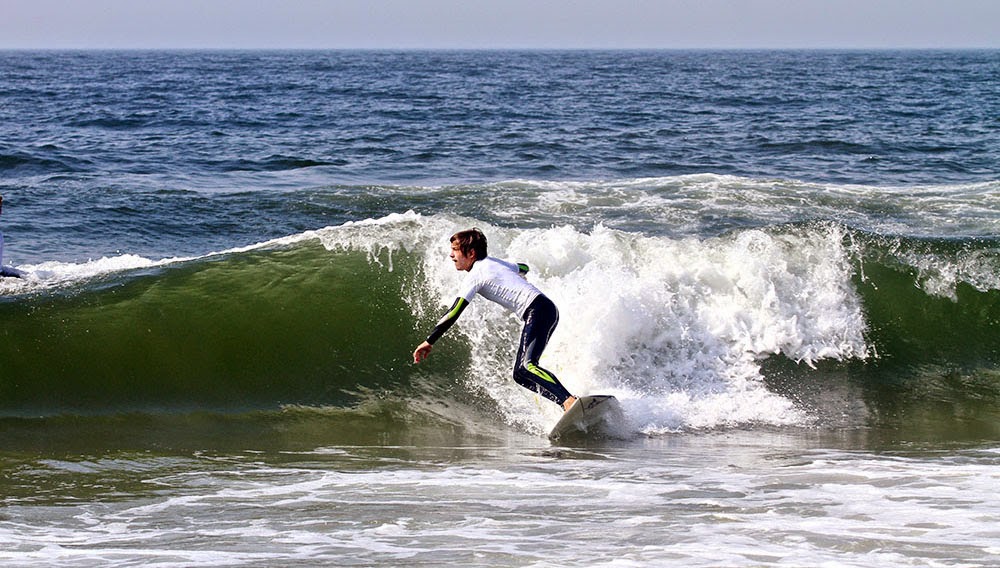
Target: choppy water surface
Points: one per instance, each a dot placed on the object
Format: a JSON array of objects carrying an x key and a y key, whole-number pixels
[{"x": 783, "y": 264}]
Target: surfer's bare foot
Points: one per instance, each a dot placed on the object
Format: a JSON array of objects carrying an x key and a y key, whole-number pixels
[{"x": 568, "y": 403}]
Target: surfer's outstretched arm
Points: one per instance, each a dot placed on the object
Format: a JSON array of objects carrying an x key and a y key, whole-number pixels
[{"x": 449, "y": 319}]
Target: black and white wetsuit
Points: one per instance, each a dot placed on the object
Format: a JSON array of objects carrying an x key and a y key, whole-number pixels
[
  {"x": 7, "y": 270},
  {"x": 10, "y": 271},
  {"x": 503, "y": 282}
]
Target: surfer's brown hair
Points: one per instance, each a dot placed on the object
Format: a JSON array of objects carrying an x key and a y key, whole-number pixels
[{"x": 471, "y": 240}]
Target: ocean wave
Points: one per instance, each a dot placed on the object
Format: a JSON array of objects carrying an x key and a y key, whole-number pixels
[
  {"x": 712, "y": 204},
  {"x": 41, "y": 161},
  {"x": 682, "y": 330}
]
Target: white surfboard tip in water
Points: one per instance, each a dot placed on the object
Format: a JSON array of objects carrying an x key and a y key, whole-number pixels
[{"x": 589, "y": 415}]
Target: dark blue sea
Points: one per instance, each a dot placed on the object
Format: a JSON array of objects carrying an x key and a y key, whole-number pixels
[{"x": 784, "y": 264}]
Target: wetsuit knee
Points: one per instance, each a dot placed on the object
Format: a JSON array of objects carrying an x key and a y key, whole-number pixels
[{"x": 532, "y": 377}]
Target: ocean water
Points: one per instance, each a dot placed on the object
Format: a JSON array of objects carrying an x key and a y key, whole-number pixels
[{"x": 785, "y": 264}]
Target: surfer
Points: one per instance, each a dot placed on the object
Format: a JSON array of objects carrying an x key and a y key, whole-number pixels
[
  {"x": 504, "y": 283},
  {"x": 8, "y": 270}
]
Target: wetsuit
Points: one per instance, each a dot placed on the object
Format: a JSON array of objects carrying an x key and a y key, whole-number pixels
[
  {"x": 7, "y": 270},
  {"x": 502, "y": 282}
]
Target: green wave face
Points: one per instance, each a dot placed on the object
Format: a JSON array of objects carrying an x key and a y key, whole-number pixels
[{"x": 294, "y": 326}]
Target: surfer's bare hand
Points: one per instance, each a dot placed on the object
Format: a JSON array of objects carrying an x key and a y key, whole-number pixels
[{"x": 422, "y": 352}]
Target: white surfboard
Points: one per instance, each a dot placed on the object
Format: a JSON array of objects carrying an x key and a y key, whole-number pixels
[{"x": 588, "y": 414}]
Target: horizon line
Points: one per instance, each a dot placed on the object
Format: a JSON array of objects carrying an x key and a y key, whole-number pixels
[{"x": 503, "y": 48}]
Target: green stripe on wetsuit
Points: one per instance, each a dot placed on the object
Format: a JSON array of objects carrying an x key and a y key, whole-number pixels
[
  {"x": 448, "y": 320},
  {"x": 541, "y": 373}
]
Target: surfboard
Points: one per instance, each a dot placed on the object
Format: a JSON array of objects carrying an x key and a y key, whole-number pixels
[
  {"x": 11, "y": 272},
  {"x": 588, "y": 414}
]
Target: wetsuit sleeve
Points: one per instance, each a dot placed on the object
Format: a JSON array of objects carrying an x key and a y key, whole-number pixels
[
  {"x": 522, "y": 268},
  {"x": 448, "y": 320}
]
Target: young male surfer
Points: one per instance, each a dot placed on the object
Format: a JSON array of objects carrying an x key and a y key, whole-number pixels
[
  {"x": 504, "y": 283},
  {"x": 6, "y": 270}
]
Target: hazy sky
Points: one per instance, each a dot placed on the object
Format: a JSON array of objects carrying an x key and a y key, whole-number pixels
[{"x": 499, "y": 23}]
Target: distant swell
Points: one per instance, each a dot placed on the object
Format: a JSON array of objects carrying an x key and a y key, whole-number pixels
[
  {"x": 279, "y": 163},
  {"x": 45, "y": 161}
]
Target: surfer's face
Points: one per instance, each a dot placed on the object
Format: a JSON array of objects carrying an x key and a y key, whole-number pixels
[{"x": 462, "y": 261}]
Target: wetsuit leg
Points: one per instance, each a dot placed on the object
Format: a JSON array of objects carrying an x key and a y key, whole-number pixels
[{"x": 540, "y": 321}]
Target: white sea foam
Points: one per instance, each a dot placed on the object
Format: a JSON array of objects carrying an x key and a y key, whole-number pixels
[
  {"x": 707, "y": 203},
  {"x": 700, "y": 500},
  {"x": 52, "y": 274},
  {"x": 675, "y": 328}
]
